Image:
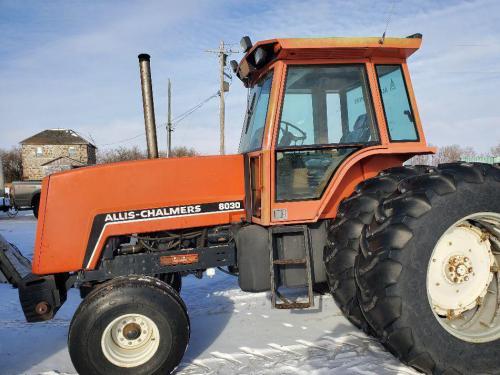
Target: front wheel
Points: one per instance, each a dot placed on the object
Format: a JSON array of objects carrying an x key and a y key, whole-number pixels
[
  {"x": 429, "y": 271},
  {"x": 130, "y": 325}
]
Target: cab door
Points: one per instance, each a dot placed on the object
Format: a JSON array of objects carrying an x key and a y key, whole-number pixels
[{"x": 326, "y": 118}]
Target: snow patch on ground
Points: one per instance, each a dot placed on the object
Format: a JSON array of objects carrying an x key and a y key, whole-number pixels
[{"x": 232, "y": 332}]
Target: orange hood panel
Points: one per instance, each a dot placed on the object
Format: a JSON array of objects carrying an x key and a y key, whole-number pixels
[{"x": 80, "y": 209}]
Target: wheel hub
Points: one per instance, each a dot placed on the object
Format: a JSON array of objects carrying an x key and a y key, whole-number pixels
[
  {"x": 132, "y": 331},
  {"x": 463, "y": 279},
  {"x": 459, "y": 273},
  {"x": 130, "y": 340},
  {"x": 459, "y": 269}
]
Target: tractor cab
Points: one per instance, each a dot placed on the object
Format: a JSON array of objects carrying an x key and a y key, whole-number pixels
[{"x": 319, "y": 108}]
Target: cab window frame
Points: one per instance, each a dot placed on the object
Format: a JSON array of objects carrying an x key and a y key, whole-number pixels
[
  {"x": 246, "y": 123},
  {"x": 366, "y": 65},
  {"x": 403, "y": 75},
  {"x": 331, "y": 145}
]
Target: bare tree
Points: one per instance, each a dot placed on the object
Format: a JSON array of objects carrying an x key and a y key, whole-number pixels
[
  {"x": 183, "y": 151},
  {"x": 445, "y": 154},
  {"x": 12, "y": 164},
  {"x": 134, "y": 153},
  {"x": 495, "y": 150},
  {"x": 120, "y": 154},
  {"x": 420, "y": 160}
]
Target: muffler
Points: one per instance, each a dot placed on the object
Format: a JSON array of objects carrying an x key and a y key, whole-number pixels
[{"x": 148, "y": 105}]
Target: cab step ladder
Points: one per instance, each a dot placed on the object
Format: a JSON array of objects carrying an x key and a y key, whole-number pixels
[{"x": 277, "y": 263}]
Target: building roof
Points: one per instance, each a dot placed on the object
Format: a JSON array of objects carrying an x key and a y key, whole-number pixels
[{"x": 56, "y": 137}]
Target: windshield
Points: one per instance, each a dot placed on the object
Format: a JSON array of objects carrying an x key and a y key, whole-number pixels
[{"x": 255, "y": 120}]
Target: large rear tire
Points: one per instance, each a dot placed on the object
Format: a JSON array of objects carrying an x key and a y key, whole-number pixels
[
  {"x": 430, "y": 237},
  {"x": 345, "y": 233},
  {"x": 129, "y": 325}
]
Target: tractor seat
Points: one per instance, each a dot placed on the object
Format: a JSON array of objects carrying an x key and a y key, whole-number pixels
[{"x": 360, "y": 132}]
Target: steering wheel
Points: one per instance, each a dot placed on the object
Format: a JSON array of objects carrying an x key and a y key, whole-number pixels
[{"x": 288, "y": 137}]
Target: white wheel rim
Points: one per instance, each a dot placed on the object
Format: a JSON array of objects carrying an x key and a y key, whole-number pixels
[
  {"x": 130, "y": 340},
  {"x": 463, "y": 278}
]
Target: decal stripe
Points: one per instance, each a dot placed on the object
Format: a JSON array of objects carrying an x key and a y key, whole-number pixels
[{"x": 101, "y": 221}]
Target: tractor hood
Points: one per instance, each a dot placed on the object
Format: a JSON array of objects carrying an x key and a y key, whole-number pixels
[{"x": 82, "y": 208}]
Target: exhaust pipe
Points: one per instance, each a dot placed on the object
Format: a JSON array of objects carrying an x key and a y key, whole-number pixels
[{"x": 148, "y": 105}]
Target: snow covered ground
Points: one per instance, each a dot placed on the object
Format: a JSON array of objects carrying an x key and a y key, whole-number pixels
[{"x": 232, "y": 332}]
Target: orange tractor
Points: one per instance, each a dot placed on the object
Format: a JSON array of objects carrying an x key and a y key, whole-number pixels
[{"x": 317, "y": 195}]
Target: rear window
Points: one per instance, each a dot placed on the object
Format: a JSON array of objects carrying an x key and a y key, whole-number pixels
[{"x": 397, "y": 109}]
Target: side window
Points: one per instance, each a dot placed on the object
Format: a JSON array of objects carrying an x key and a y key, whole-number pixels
[
  {"x": 39, "y": 152},
  {"x": 397, "y": 108}
]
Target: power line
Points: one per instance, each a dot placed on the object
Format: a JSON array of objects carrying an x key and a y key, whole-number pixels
[
  {"x": 193, "y": 109},
  {"x": 124, "y": 140},
  {"x": 175, "y": 121},
  {"x": 222, "y": 52}
]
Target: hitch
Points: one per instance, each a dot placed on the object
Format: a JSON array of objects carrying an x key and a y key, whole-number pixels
[
  {"x": 14, "y": 267},
  {"x": 40, "y": 296}
]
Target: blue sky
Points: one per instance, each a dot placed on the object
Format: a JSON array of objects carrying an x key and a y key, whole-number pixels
[{"x": 73, "y": 64}]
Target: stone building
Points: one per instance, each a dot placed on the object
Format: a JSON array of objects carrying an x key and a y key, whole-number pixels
[{"x": 55, "y": 150}]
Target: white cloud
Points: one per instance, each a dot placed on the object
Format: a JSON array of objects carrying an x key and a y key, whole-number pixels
[{"x": 70, "y": 65}]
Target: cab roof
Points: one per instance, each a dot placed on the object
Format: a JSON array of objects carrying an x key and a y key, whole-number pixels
[{"x": 338, "y": 48}]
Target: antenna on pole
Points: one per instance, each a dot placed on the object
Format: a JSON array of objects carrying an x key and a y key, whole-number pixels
[
  {"x": 169, "y": 120},
  {"x": 223, "y": 53}
]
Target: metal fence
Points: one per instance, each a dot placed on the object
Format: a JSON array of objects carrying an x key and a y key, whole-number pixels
[{"x": 481, "y": 159}]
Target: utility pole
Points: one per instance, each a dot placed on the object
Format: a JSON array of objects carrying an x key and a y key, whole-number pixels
[
  {"x": 169, "y": 120},
  {"x": 223, "y": 53},
  {"x": 222, "y": 105}
]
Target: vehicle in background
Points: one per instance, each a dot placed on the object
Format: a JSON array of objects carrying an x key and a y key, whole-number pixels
[
  {"x": 26, "y": 195},
  {"x": 4, "y": 199},
  {"x": 21, "y": 195}
]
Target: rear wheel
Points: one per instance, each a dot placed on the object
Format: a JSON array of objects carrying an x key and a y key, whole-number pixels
[
  {"x": 428, "y": 273},
  {"x": 129, "y": 325},
  {"x": 345, "y": 233}
]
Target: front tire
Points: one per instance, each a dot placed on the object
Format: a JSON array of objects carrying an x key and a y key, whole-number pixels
[
  {"x": 129, "y": 325},
  {"x": 401, "y": 262}
]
